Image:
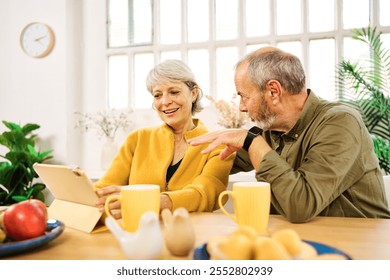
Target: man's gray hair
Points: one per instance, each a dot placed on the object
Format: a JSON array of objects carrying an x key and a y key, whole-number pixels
[{"x": 275, "y": 65}]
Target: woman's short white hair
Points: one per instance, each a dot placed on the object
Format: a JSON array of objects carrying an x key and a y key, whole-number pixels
[{"x": 174, "y": 70}]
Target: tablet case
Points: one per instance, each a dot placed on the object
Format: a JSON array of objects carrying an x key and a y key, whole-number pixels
[{"x": 74, "y": 196}]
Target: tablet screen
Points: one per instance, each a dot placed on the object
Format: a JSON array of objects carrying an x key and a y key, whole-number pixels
[{"x": 67, "y": 183}]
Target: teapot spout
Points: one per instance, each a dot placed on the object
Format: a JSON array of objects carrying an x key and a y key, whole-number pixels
[{"x": 115, "y": 228}]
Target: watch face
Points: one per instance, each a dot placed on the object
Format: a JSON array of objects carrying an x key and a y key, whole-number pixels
[{"x": 37, "y": 39}]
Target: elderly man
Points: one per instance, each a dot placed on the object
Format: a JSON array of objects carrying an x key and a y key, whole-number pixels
[{"x": 317, "y": 155}]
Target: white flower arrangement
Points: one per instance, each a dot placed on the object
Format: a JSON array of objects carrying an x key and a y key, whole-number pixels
[
  {"x": 105, "y": 122},
  {"x": 231, "y": 116}
]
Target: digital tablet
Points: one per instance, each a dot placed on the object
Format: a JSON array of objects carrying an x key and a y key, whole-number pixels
[{"x": 67, "y": 183}]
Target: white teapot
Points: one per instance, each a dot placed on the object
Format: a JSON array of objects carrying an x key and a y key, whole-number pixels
[{"x": 146, "y": 243}]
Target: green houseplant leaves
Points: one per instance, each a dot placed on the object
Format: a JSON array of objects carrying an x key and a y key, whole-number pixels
[
  {"x": 366, "y": 86},
  {"x": 17, "y": 176}
]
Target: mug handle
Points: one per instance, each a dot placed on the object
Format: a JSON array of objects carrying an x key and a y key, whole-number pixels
[
  {"x": 108, "y": 201},
  {"x": 222, "y": 194}
]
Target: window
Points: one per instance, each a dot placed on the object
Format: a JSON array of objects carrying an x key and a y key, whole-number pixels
[{"x": 211, "y": 35}]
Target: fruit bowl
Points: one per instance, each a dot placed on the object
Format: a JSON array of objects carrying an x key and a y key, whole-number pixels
[
  {"x": 53, "y": 229},
  {"x": 201, "y": 252}
]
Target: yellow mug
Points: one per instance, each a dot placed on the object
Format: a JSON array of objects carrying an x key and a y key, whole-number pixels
[
  {"x": 252, "y": 203},
  {"x": 135, "y": 201}
]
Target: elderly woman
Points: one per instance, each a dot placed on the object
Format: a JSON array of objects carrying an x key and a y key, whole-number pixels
[{"x": 161, "y": 155}]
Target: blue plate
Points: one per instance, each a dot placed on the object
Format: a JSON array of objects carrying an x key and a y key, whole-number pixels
[
  {"x": 53, "y": 229},
  {"x": 201, "y": 253}
]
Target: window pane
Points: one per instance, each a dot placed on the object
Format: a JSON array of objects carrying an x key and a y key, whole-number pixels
[
  {"x": 322, "y": 68},
  {"x": 292, "y": 47},
  {"x": 384, "y": 8},
  {"x": 386, "y": 41},
  {"x": 198, "y": 61},
  {"x": 321, "y": 15},
  {"x": 170, "y": 21},
  {"x": 356, "y": 13},
  {"x": 257, "y": 18},
  {"x": 198, "y": 27},
  {"x": 170, "y": 55},
  {"x": 142, "y": 14},
  {"x": 118, "y": 13},
  {"x": 130, "y": 22},
  {"x": 143, "y": 63},
  {"x": 226, "y": 19},
  {"x": 226, "y": 61},
  {"x": 355, "y": 50},
  {"x": 118, "y": 75},
  {"x": 288, "y": 16}
]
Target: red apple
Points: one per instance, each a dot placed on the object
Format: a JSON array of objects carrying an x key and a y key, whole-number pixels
[
  {"x": 41, "y": 205},
  {"x": 25, "y": 220}
]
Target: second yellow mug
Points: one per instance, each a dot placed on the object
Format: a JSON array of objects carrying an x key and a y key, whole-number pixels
[
  {"x": 135, "y": 201},
  {"x": 252, "y": 203}
]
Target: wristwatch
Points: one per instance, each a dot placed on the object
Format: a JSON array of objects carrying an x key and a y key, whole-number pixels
[{"x": 252, "y": 133}]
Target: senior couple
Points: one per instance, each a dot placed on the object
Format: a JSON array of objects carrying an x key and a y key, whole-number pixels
[{"x": 317, "y": 156}]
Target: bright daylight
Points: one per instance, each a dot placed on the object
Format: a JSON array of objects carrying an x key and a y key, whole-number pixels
[{"x": 195, "y": 139}]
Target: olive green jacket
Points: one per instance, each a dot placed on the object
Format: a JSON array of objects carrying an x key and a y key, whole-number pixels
[{"x": 325, "y": 165}]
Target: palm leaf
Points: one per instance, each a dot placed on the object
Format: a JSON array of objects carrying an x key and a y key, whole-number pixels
[{"x": 366, "y": 87}]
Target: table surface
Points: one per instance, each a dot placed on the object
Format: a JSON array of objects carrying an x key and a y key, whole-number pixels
[{"x": 359, "y": 238}]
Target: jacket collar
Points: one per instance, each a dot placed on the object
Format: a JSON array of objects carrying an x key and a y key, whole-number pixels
[
  {"x": 307, "y": 115},
  {"x": 199, "y": 129}
]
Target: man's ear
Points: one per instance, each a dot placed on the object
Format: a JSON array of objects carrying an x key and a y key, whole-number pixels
[{"x": 274, "y": 87}]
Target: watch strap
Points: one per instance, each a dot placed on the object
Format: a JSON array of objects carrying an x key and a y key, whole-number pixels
[
  {"x": 256, "y": 130},
  {"x": 252, "y": 134}
]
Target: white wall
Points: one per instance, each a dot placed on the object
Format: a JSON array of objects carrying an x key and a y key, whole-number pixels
[
  {"x": 38, "y": 90},
  {"x": 47, "y": 91}
]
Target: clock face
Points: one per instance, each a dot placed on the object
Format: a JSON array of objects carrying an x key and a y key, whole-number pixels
[{"x": 37, "y": 39}]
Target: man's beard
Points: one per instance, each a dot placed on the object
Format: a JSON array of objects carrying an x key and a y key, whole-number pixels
[{"x": 265, "y": 118}]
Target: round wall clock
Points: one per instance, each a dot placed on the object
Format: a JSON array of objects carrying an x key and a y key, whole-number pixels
[{"x": 37, "y": 39}]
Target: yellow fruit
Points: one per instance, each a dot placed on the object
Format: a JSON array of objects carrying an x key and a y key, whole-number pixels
[
  {"x": 330, "y": 257},
  {"x": 308, "y": 252},
  {"x": 247, "y": 231},
  {"x": 213, "y": 248},
  {"x": 2, "y": 235},
  {"x": 269, "y": 249},
  {"x": 240, "y": 247},
  {"x": 234, "y": 247},
  {"x": 290, "y": 239}
]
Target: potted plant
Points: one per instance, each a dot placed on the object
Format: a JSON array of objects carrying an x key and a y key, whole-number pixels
[
  {"x": 106, "y": 123},
  {"x": 230, "y": 115},
  {"x": 366, "y": 86},
  {"x": 16, "y": 173}
]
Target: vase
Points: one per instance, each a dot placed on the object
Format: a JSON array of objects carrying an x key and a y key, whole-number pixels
[{"x": 109, "y": 150}]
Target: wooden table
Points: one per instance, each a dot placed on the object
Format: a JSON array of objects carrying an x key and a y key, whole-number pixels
[{"x": 363, "y": 239}]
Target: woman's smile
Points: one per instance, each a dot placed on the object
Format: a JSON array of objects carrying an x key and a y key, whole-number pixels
[{"x": 170, "y": 111}]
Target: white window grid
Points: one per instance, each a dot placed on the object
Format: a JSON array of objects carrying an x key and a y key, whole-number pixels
[{"x": 242, "y": 41}]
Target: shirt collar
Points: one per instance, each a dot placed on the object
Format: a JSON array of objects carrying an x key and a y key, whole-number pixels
[{"x": 307, "y": 114}]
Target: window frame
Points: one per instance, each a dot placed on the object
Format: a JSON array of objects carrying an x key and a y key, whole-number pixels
[{"x": 241, "y": 42}]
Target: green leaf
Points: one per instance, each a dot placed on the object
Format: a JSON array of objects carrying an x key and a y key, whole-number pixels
[
  {"x": 28, "y": 128},
  {"x": 367, "y": 88},
  {"x": 19, "y": 198},
  {"x": 17, "y": 173},
  {"x": 12, "y": 126}
]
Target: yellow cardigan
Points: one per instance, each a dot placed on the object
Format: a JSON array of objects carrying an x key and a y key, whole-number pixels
[{"x": 144, "y": 159}]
